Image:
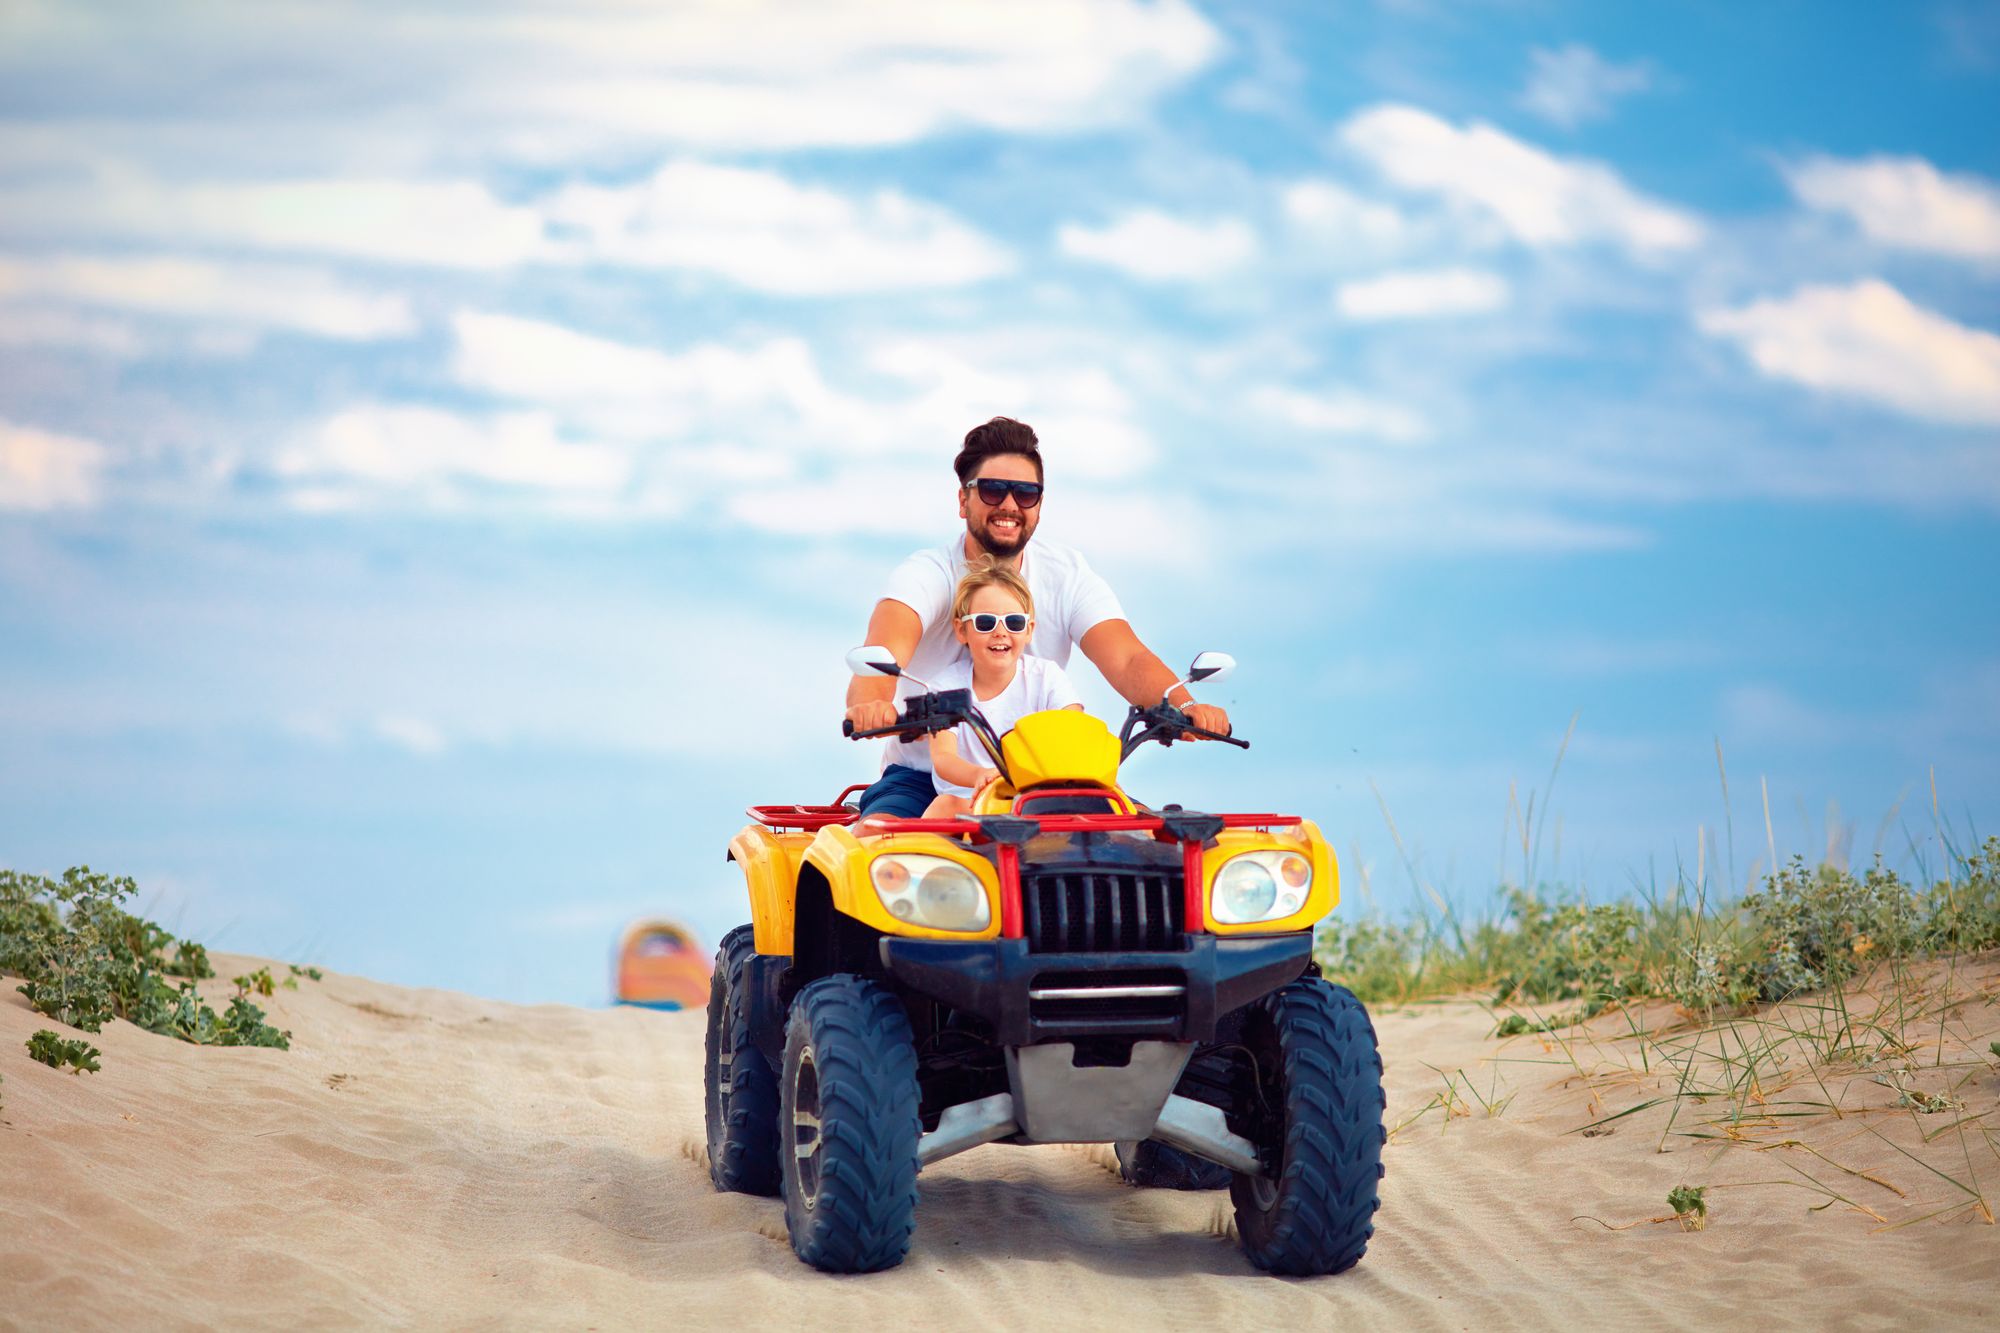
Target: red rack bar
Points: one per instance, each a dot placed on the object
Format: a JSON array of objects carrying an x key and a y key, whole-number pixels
[
  {"x": 1009, "y": 866},
  {"x": 1193, "y": 904},
  {"x": 968, "y": 824}
]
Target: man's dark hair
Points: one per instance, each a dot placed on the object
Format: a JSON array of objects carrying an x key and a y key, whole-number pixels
[{"x": 1001, "y": 435}]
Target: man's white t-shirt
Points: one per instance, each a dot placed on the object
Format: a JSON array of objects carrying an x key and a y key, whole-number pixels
[
  {"x": 1071, "y": 599},
  {"x": 1038, "y": 684}
]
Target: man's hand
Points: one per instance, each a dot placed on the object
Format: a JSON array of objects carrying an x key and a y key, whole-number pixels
[
  {"x": 873, "y": 714},
  {"x": 1208, "y": 717},
  {"x": 1133, "y": 671}
]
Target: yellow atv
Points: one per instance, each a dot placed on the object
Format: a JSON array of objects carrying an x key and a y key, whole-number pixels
[{"x": 1063, "y": 965}]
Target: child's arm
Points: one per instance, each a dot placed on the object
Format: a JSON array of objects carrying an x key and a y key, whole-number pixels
[{"x": 948, "y": 764}]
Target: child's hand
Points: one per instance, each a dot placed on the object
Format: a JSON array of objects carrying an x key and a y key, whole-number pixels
[{"x": 987, "y": 777}]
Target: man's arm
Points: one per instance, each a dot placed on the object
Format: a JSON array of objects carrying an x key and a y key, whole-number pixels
[
  {"x": 871, "y": 700},
  {"x": 1136, "y": 673}
]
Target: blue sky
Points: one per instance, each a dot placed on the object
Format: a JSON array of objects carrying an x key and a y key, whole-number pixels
[{"x": 445, "y": 453}]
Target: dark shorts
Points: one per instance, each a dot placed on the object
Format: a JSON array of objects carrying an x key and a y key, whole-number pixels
[{"x": 899, "y": 791}]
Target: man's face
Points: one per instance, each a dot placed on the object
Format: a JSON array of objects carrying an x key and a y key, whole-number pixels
[{"x": 1002, "y": 529}]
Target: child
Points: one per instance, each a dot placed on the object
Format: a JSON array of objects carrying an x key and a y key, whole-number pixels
[{"x": 993, "y": 615}]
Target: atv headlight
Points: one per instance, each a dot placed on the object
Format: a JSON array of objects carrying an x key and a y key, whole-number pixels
[
  {"x": 1260, "y": 886},
  {"x": 930, "y": 891}
]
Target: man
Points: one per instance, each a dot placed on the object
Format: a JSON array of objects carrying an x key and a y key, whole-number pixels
[{"x": 1000, "y": 499}]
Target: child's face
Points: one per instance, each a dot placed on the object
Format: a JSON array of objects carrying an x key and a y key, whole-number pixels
[{"x": 1001, "y": 646}]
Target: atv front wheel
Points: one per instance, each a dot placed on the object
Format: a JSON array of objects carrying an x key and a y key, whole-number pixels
[
  {"x": 849, "y": 1116},
  {"x": 741, "y": 1089},
  {"x": 1321, "y": 1132},
  {"x": 1154, "y": 1165}
]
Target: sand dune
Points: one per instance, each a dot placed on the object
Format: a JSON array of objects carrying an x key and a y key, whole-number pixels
[{"x": 427, "y": 1158}]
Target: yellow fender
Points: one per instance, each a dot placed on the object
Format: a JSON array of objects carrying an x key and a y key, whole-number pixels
[{"x": 770, "y": 865}]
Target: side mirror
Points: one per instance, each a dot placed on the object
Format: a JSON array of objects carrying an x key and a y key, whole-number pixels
[
  {"x": 1211, "y": 666},
  {"x": 873, "y": 660}
]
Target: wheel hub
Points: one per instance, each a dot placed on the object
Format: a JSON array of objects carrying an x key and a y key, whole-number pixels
[{"x": 805, "y": 1128}]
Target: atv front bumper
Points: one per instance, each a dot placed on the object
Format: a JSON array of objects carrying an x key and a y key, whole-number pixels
[{"x": 1027, "y": 998}]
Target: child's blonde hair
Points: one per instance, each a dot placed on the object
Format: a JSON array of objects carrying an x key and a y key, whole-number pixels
[{"x": 987, "y": 572}]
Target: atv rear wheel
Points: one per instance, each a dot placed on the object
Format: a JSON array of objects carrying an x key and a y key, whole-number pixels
[
  {"x": 1321, "y": 1134},
  {"x": 849, "y": 1113},
  {"x": 1154, "y": 1165},
  {"x": 741, "y": 1089}
]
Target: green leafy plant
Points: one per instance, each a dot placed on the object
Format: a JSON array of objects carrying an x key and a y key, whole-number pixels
[
  {"x": 244, "y": 1025},
  {"x": 190, "y": 960},
  {"x": 55, "y": 1052},
  {"x": 85, "y": 960},
  {"x": 1690, "y": 1206}
]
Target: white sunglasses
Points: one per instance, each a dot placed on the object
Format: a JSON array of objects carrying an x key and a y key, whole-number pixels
[{"x": 985, "y": 622}]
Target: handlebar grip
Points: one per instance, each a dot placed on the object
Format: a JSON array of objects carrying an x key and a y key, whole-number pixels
[{"x": 901, "y": 731}]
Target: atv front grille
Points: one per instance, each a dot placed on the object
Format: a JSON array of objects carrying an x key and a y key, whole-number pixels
[{"x": 1102, "y": 911}]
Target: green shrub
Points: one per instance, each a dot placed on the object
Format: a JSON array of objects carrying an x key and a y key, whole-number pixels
[
  {"x": 86, "y": 960},
  {"x": 259, "y": 981},
  {"x": 244, "y": 1025},
  {"x": 55, "y": 1052},
  {"x": 1573, "y": 951},
  {"x": 1819, "y": 927},
  {"x": 1962, "y": 913},
  {"x": 191, "y": 961},
  {"x": 67, "y": 949},
  {"x": 1374, "y": 960},
  {"x": 1805, "y": 928}
]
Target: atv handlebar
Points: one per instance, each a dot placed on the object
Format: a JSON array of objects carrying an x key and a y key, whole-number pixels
[
  {"x": 926, "y": 714},
  {"x": 1166, "y": 724}
]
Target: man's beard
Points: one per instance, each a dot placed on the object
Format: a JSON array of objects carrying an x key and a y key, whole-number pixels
[{"x": 985, "y": 540}]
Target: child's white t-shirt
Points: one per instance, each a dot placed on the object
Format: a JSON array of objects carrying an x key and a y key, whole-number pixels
[
  {"x": 1071, "y": 599},
  {"x": 1038, "y": 685}
]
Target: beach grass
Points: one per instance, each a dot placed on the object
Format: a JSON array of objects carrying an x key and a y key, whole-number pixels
[{"x": 1823, "y": 997}]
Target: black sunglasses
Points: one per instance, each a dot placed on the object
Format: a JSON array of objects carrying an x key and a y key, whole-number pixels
[{"x": 994, "y": 491}]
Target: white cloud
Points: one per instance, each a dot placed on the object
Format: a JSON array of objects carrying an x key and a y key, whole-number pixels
[
  {"x": 761, "y": 230},
  {"x": 754, "y": 434},
  {"x": 265, "y": 296},
  {"x": 1573, "y": 84},
  {"x": 644, "y": 392},
  {"x": 1905, "y": 202},
  {"x": 29, "y": 326},
  {"x": 851, "y": 74},
  {"x": 1153, "y": 246},
  {"x": 450, "y": 224},
  {"x": 525, "y": 81},
  {"x": 412, "y": 734},
  {"x": 754, "y": 228},
  {"x": 1422, "y": 294},
  {"x": 1870, "y": 341},
  {"x": 432, "y": 455},
  {"x": 1538, "y": 198},
  {"x": 1339, "y": 412},
  {"x": 42, "y": 470},
  {"x": 776, "y": 392},
  {"x": 1339, "y": 216}
]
